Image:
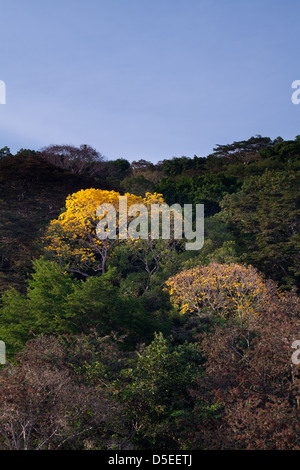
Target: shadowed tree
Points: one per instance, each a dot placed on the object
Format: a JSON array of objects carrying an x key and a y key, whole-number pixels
[{"x": 78, "y": 160}]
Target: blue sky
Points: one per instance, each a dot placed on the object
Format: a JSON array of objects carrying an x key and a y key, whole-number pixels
[{"x": 148, "y": 79}]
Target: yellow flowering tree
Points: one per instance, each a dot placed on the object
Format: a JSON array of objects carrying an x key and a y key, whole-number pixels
[
  {"x": 73, "y": 238},
  {"x": 227, "y": 290}
]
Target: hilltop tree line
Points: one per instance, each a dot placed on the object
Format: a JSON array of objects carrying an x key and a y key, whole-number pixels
[{"x": 140, "y": 344}]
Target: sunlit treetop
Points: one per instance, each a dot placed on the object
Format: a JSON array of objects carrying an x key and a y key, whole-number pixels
[
  {"x": 227, "y": 290},
  {"x": 72, "y": 237}
]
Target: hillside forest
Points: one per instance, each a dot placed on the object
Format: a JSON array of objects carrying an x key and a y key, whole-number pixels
[{"x": 142, "y": 344}]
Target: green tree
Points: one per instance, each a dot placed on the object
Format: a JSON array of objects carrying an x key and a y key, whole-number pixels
[
  {"x": 43, "y": 310},
  {"x": 154, "y": 389},
  {"x": 58, "y": 303},
  {"x": 137, "y": 185},
  {"x": 264, "y": 216},
  {"x": 283, "y": 151}
]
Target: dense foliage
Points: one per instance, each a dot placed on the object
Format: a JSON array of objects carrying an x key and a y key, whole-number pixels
[{"x": 140, "y": 344}]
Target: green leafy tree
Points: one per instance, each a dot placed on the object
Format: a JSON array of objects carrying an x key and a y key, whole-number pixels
[
  {"x": 283, "y": 151},
  {"x": 154, "y": 389},
  {"x": 244, "y": 150},
  {"x": 137, "y": 185},
  {"x": 57, "y": 303},
  {"x": 42, "y": 310},
  {"x": 264, "y": 216}
]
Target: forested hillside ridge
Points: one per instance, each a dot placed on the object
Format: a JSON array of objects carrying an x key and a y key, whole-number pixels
[{"x": 143, "y": 344}]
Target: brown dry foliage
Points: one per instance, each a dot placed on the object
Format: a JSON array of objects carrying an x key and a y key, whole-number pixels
[
  {"x": 249, "y": 373},
  {"x": 43, "y": 404}
]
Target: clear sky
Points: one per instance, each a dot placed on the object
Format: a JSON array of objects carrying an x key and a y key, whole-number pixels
[{"x": 148, "y": 79}]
